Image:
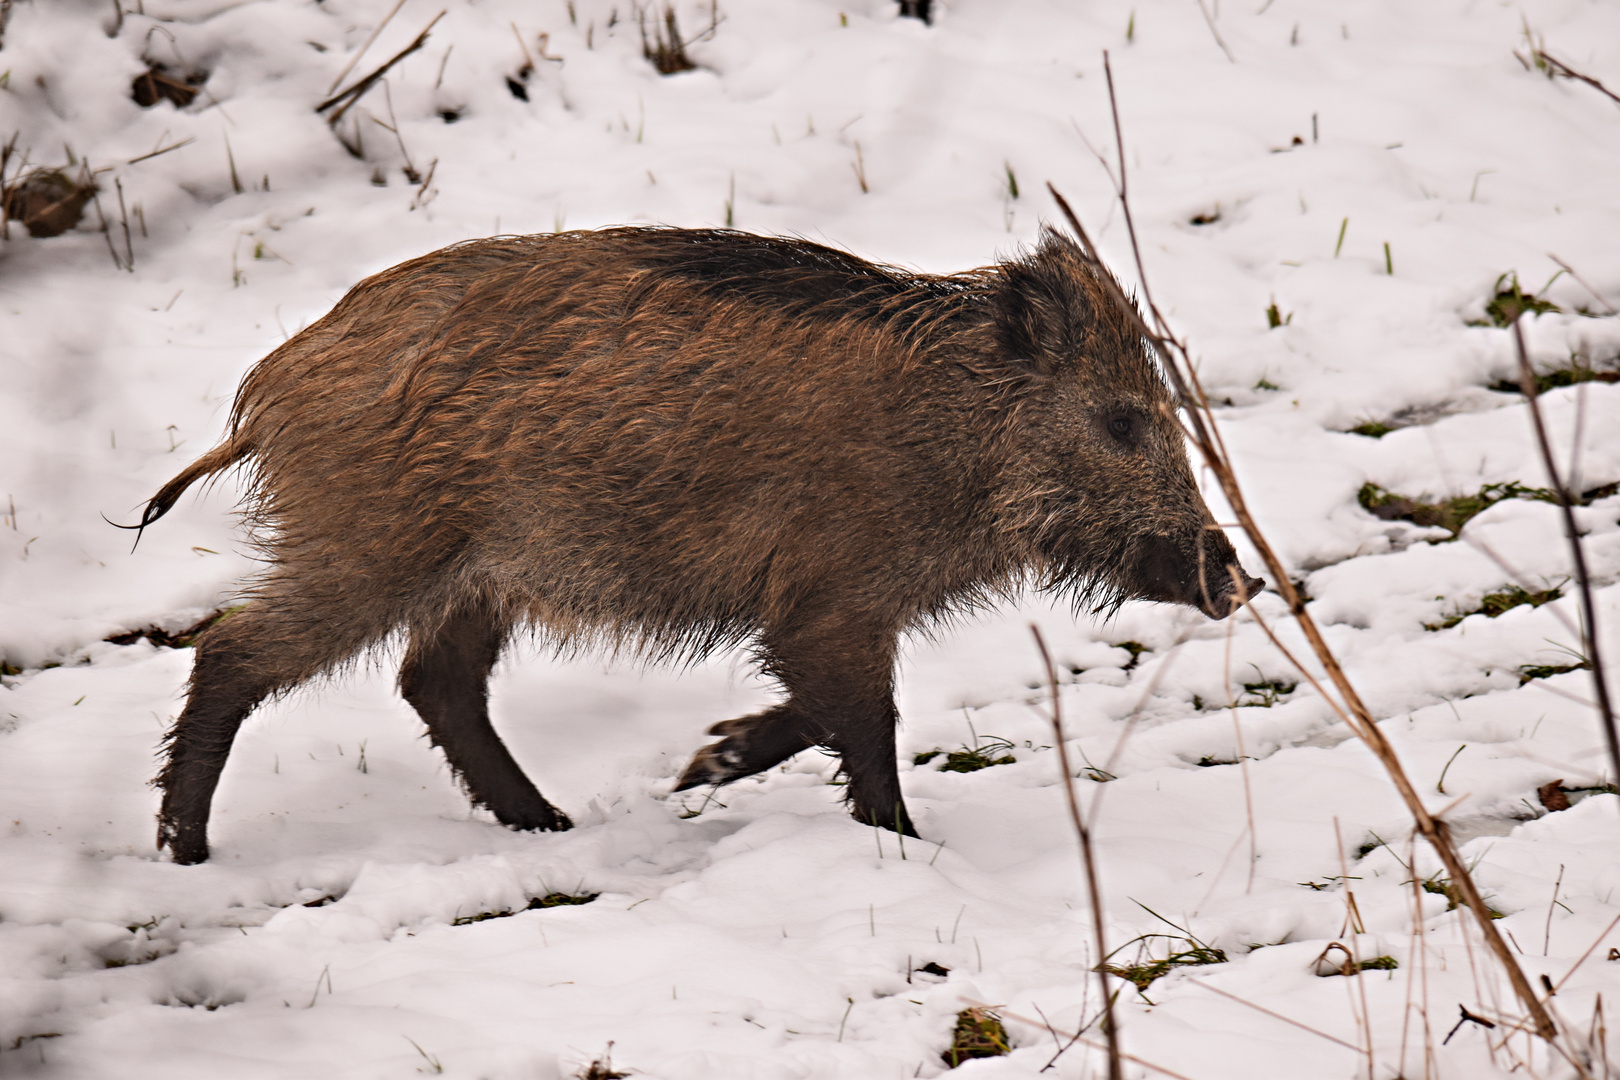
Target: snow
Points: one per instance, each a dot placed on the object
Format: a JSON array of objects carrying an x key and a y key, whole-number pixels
[{"x": 765, "y": 934}]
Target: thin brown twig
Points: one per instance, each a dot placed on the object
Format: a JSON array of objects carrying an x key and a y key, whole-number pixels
[
  {"x": 1577, "y": 551},
  {"x": 1417, "y": 949},
  {"x": 1356, "y": 927},
  {"x": 162, "y": 150},
  {"x": 1590, "y": 949},
  {"x": 1062, "y": 1047},
  {"x": 1210, "y": 22},
  {"x": 106, "y": 229},
  {"x": 1183, "y": 375},
  {"x": 123, "y": 218},
  {"x": 355, "y": 59},
  {"x": 1570, "y": 270},
  {"x": 344, "y": 99},
  {"x": 1088, "y": 858},
  {"x": 1518, "y": 578},
  {"x": 1577, "y": 699},
  {"x": 1135, "y": 716},
  {"x": 1204, "y": 985},
  {"x": 1243, "y": 757},
  {"x": 1555, "y": 66}
]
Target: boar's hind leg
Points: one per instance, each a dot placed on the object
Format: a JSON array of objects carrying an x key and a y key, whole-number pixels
[
  {"x": 268, "y": 647},
  {"x": 445, "y": 677}
]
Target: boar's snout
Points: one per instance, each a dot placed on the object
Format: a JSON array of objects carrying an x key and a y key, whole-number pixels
[{"x": 1203, "y": 575}]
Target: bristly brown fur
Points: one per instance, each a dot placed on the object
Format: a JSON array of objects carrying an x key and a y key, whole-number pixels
[{"x": 677, "y": 441}]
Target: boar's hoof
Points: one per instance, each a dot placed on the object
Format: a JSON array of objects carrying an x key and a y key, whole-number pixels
[
  {"x": 188, "y": 845},
  {"x": 541, "y": 818},
  {"x": 750, "y": 744},
  {"x": 714, "y": 764}
]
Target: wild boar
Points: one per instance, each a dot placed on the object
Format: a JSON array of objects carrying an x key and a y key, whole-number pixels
[{"x": 671, "y": 442}]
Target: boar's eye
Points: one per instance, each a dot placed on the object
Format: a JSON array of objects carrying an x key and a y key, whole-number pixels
[{"x": 1123, "y": 427}]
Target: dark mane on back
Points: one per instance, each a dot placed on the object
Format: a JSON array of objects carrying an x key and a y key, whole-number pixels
[{"x": 791, "y": 275}]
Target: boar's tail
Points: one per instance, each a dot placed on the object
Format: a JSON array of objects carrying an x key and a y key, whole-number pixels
[{"x": 218, "y": 459}]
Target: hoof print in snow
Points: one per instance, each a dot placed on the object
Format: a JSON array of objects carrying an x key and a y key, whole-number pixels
[{"x": 979, "y": 1033}]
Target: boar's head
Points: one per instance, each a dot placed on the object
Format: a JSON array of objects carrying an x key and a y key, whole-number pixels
[{"x": 1106, "y": 491}]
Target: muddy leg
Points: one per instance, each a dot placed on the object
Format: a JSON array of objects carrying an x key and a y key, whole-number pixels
[
  {"x": 445, "y": 677},
  {"x": 862, "y": 731},
  {"x": 268, "y": 647}
]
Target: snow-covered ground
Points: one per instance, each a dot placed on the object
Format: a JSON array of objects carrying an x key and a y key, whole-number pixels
[{"x": 1369, "y": 167}]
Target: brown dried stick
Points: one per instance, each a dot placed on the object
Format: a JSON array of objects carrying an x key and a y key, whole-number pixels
[
  {"x": 1555, "y": 66},
  {"x": 355, "y": 59},
  {"x": 343, "y": 99},
  {"x": 1583, "y": 582},
  {"x": 1199, "y": 415},
  {"x": 1110, "y": 1028}
]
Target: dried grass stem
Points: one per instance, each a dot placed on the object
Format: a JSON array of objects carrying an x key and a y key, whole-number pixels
[{"x": 1199, "y": 420}]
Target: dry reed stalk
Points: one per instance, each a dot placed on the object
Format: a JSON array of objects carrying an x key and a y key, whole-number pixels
[
  {"x": 1110, "y": 1027},
  {"x": 161, "y": 150},
  {"x": 1552, "y": 67},
  {"x": 1200, "y": 425},
  {"x": 1353, "y": 928},
  {"x": 1417, "y": 966},
  {"x": 344, "y": 99},
  {"x": 1202, "y": 985},
  {"x": 355, "y": 59},
  {"x": 1210, "y": 22},
  {"x": 1570, "y": 270},
  {"x": 1243, "y": 759},
  {"x": 1577, "y": 552}
]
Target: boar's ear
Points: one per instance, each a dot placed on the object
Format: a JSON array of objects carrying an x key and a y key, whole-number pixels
[{"x": 1042, "y": 305}]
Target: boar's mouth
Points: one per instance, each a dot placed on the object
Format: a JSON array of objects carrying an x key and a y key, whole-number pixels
[{"x": 1199, "y": 576}]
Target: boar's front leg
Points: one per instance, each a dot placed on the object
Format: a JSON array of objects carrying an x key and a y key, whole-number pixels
[
  {"x": 445, "y": 677},
  {"x": 840, "y": 683}
]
